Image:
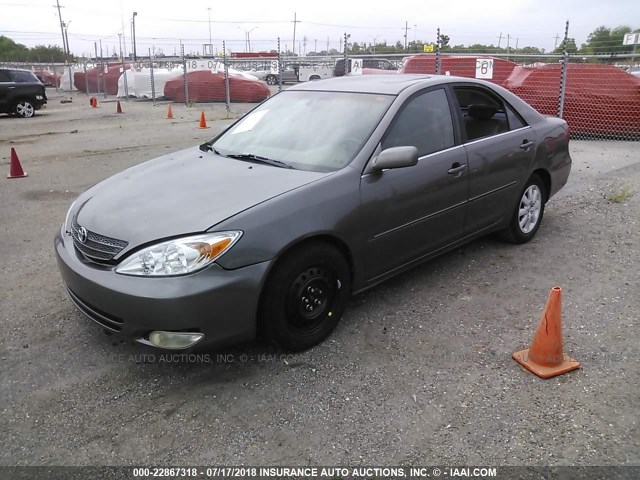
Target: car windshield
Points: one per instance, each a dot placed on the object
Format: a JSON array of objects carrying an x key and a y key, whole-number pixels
[{"x": 308, "y": 130}]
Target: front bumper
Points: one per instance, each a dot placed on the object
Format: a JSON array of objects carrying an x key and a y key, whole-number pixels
[{"x": 221, "y": 304}]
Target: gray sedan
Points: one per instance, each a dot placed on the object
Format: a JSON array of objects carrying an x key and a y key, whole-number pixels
[{"x": 322, "y": 191}]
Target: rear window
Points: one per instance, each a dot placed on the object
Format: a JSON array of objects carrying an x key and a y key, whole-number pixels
[{"x": 24, "y": 77}]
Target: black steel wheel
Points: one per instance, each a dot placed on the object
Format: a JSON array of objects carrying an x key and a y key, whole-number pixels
[{"x": 305, "y": 296}]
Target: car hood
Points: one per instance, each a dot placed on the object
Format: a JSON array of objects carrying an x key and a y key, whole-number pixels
[{"x": 185, "y": 192}]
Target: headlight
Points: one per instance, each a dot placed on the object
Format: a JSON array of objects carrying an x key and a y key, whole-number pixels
[{"x": 179, "y": 256}]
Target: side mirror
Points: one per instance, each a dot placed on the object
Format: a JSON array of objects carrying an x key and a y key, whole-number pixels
[{"x": 396, "y": 157}]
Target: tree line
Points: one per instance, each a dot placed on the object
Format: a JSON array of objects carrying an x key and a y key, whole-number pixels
[{"x": 603, "y": 40}]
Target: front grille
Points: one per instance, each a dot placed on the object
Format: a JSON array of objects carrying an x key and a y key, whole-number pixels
[
  {"x": 101, "y": 318},
  {"x": 96, "y": 247}
]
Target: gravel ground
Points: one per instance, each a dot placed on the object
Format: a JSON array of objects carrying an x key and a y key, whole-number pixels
[{"x": 418, "y": 372}]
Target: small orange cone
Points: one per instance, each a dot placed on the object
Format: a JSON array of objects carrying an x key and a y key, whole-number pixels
[
  {"x": 15, "y": 169},
  {"x": 119, "y": 108},
  {"x": 203, "y": 121},
  {"x": 95, "y": 102},
  {"x": 545, "y": 358},
  {"x": 169, "y": 113}
]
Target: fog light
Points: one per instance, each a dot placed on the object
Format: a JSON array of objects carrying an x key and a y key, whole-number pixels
[{"x": 174, "y": 340}]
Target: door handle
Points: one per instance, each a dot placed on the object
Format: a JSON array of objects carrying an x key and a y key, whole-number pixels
[
  {"x": 456, "y": 168},
  {"x": 526, "y": 144}
]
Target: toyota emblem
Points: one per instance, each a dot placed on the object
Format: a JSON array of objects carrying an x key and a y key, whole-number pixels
[{"x": 82, "y": 234}]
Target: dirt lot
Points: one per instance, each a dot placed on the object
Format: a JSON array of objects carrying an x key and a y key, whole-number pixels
[{"x": 418, "y": 372}]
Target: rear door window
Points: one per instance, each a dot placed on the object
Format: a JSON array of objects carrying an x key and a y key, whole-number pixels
[{"x": 483, "y": 113}]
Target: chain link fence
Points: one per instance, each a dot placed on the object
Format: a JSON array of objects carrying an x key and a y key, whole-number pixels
[{"x": 597, "y": 94}]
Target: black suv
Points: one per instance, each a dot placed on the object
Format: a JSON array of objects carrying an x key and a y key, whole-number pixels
[{"x": 21, "y": 92}]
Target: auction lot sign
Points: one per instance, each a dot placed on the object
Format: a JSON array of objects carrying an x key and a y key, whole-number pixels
[{"x": 327, "y": 472}]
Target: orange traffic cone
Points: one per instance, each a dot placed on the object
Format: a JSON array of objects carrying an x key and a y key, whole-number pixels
[
  {"x": 15, "y": 169},
  {"x": 119, "y": 108},
  {"x": 203, "y": 121},
  {"x": 95, "y": 102},
  {"x": 545, "y": 358},
  {"x": 169, "y": 113}
]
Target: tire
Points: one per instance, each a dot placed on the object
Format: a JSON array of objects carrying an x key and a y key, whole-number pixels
[
  {"x": 304, "y": 297},
  {"x": 313, "y": 78},
  {"x": 24, "y": 108},
  {"x": 528, "y": 213},
  {"x": 272, "y": 79}
]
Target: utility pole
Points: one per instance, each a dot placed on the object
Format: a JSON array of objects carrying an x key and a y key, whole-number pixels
[
  {"x": 124, "y": 37},
  {"x": 64, "y": 42},
  {"x": 315, "y": 48},
  {"x": 295, "y": 21},
  {"x": 406, "y": 29},
  {"x": 120, "y": 43},
  {"x": 499, "y": 39},
  {"x": 133, "y": 34},
  {"x": 209, "y": 8},
  {"x": 66, "y": 37},
  {"x": 555, "y": 45}
]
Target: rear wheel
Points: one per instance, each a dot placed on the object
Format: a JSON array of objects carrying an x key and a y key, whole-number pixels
[
  {"x": 314, "y": 77},
  {"x": 527, "y": 216},
  {"x": 305, "y": 297},
  {"x": 24, "y": 109},
  {"x": 272, "y": 79}
]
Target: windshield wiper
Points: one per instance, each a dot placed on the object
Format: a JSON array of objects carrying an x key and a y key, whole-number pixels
[{"x": 259, "y": 159}]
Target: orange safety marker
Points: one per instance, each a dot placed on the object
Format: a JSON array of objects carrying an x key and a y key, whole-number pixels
[
  {"x": 15, "y": 169},
  {"x": 545, "y": 358},
  {"x": 203, "y": 121},
  {"x": 119, "y": 108},
  {"x": 169, "y": 113}
]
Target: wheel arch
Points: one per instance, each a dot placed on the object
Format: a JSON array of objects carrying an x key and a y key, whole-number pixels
[
  {"x": 546, "y": 179},
  {"x": 332, "y": 240}
]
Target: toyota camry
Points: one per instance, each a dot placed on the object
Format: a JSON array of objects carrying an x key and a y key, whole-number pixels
[{"x": 324, "y": 190}]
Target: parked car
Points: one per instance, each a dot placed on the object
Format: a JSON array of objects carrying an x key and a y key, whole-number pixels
[
  {"x": 207, "y": 86},
  {"x": 368, "y": 63},
  {"x": 289, "y": 75},
  {"x": 21, "y": 93},
  {"x": 324, "y": 190}
]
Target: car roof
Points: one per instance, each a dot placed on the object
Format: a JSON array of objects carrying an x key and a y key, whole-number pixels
[
  {"x": 394, "y": 84},
  {"x": 390, "y": 84}
]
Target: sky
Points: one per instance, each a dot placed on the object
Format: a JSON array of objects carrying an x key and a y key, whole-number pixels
[{"x": 161, "y": 24}]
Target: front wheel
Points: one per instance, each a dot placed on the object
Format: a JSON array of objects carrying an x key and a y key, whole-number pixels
[
  {"x": 272, "y": 79},
  {"x": 24, "y": 109},
  {"x": 305, "y": 297},
  {"x": 527, "y": 216}
]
